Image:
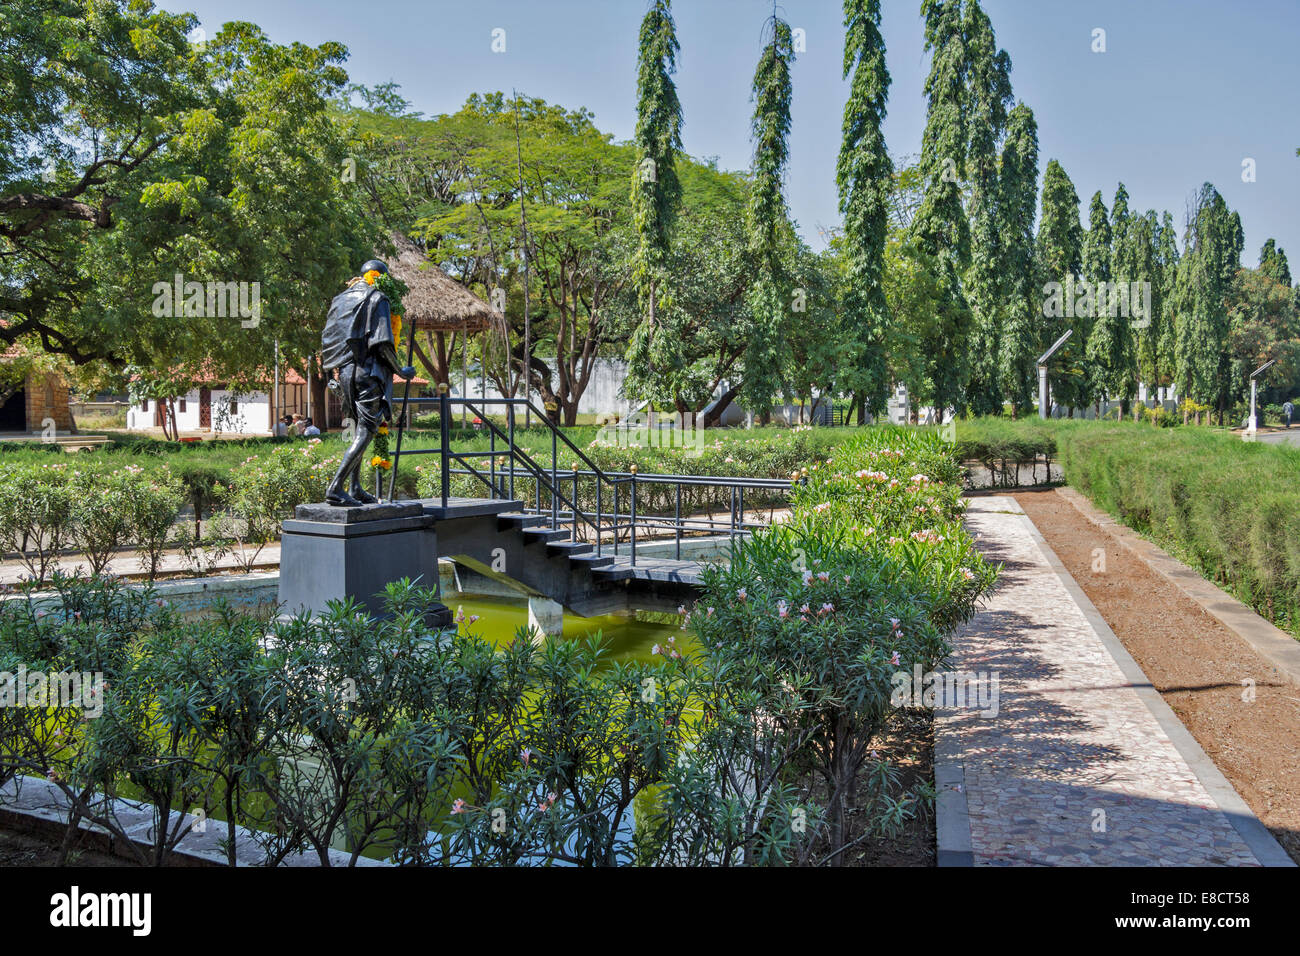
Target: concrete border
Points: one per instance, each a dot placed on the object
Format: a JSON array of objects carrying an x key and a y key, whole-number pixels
[
  {"x": 1271, "y": 643},
  {"x": 1256, "y": 836},
  {"x": 951, "y": 810}
]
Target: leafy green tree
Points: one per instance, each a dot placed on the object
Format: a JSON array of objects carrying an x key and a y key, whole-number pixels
[
  {"x": 1273, "y": 264},
  {"x": 770, "y": 291},
  {"x": 656, "y": 190},
  {"x": 940, "y": 227},
  {"x": 1205, "y": 273},
  {"x": 1022, "y": 338},
  {"x": 988, "y": 98},
  {"x": 1060, "y": 256},
  {"x": 1111, "y": 351},
  {"x": 132, "y": 156},
  {"x": 863, "y": 174}
]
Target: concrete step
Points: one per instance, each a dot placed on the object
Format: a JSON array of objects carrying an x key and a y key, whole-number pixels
[
  {"x": 544, "y": 533},
  {"x": 614, "y": 572},
  {"x": 590, "y": 559},
  {"x": 517, "y": 519},
  {"x": 571, "y": 548}
]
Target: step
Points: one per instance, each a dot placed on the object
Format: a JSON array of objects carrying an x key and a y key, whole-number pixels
[
  {"x": 518, "y": 519},
  {"x": 591, "y": 560},
  {"x": 571, "y": 548},
  {"x": 614, "y": 572},
  {"x": 545, "y": 534}
]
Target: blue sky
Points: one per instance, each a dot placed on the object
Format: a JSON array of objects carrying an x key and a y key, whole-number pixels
[{"x": 1185, "y": 91}]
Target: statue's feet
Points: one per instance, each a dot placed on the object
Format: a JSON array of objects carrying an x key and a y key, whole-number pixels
[
  {"x": 364, "y": 497},
  {"x": 341, "y": 499}
]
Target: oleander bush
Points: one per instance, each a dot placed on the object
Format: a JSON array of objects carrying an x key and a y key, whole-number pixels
[
  {"x": 94, "y": 509},
  {"x": 378, "y": 737}
]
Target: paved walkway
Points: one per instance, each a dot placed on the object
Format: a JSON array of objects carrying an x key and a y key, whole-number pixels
[
  {"x": 1083, "y": 763},
  {"x": 13, "y": 570}
]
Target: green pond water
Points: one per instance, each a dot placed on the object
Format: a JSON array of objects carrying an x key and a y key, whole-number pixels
[
  {"x": 629, "y": 637},
  {"x": 624, "y": 637}
]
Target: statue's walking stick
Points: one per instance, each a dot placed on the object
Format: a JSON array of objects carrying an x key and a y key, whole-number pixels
[{"x": 401, "y": 421}]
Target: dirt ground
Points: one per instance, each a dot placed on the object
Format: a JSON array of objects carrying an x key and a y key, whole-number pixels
[
  {"x": 29, "y": 849},
  {"x": 909, "y": 745},
  {"x": 1195, "y": 663}
]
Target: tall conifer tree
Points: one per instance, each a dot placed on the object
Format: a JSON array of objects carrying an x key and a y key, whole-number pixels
[
  {"x": 768, "y": 222},
  {"x": 1022, "y": 303},
  {"x": 864, "y": 174}
]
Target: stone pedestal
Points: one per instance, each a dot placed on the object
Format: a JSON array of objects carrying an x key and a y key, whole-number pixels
[{"x": 328, "y": 553}]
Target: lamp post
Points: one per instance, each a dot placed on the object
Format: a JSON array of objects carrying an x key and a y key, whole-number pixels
[
  {"x": 1253, "y": 424},
  {"x": 1044, "y": 391}
]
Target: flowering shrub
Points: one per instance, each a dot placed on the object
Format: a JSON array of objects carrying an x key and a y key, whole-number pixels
[
  {"x": 263, "y": 491},
  {"x": 802, "y": 634},
  {"x": 95, "y": 509}
]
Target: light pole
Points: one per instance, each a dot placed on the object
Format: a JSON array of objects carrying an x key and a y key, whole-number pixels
[
  {"x": 1044, "y": 392},
  {"x": 1252, "y": 425}
]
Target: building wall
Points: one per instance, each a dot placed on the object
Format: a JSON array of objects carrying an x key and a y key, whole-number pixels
[
  {"x": 47, "y": 397},
  {"x": 251, "y": 415}
]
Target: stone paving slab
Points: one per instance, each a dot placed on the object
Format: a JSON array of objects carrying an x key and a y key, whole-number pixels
[{"x": 1075, "y": 768}]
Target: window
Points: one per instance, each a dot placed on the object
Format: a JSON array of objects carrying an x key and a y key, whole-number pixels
[
  {"x": 234, "y": 406},
  {"x": 144, "y": 404},
  {"x": 180, "y": 406}
]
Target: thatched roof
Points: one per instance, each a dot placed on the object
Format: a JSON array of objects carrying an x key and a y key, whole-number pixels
[{"x": 436, "y": 301}]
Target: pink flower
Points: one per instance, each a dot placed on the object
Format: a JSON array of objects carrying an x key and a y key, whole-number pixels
[
  {"x": 827, "y": 608},
  {"x": 458, "y": 806},
  {"x": 473, "y": 618},
  {"x": 807, "y": 578},
  {"x": 893, "y": 621},
  {"x": 805, "y": 609},
  {"x": 742, "y": 594},
  {"x": 895, "y": 659},
  {"x": 525, "y": 755},
  {"x": 823, "y": 576},
  {"x": 656, "y": 649},
  {"x": 782, "y": 610}
]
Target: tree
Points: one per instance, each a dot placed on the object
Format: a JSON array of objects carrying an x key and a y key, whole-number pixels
[
  {"x": 1273, "y": 264},
  {"x": 163, "y": 159},
  {"x": 940, "y": 228},
  {"x": 574, "y": 186},
  {"x": 988, "y": 98},
  {"x": 1022, "y": 339},
  {"x": 1111, "y": 353},
  {"x": 767, "y": 218},
  {"x": 656, "y": 190},
  {"x": 1060, "y": 255},
  {"x": 863, "y": 175},
  {"x": 1205, "y": 274}
]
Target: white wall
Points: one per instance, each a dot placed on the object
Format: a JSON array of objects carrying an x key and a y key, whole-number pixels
[{"x": 251, "y": 416}]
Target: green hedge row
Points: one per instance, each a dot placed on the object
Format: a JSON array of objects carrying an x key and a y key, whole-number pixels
[{"x": 1227, "y": 507}]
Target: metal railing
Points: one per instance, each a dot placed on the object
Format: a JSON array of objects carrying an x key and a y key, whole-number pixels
[{"x": 556, "y": 492}]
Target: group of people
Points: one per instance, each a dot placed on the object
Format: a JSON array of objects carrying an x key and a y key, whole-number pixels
[{"x": 296, "y": 426}]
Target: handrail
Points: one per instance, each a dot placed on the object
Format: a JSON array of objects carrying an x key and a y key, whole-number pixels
[{"x": 563, "y": 510}]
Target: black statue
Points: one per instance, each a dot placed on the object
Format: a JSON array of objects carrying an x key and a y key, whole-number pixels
[{"x": 358, "y": 341}]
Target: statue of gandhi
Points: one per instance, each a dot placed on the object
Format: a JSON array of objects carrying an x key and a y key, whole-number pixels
[{"x": 358, "y": 341}]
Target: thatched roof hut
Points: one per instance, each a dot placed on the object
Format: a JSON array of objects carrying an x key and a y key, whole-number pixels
[
  {"x": 437, "y": 302},
  {"x": 438, "y": 305}
]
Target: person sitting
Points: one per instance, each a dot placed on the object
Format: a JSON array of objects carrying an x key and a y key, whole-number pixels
[
  {"x": 296, "y": 428},
  {"x": 309, "y": 429},
  {"x": 282, "y": 427}
]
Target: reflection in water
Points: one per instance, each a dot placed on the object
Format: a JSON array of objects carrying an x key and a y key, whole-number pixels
[{"x": 624, "y": 638}]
